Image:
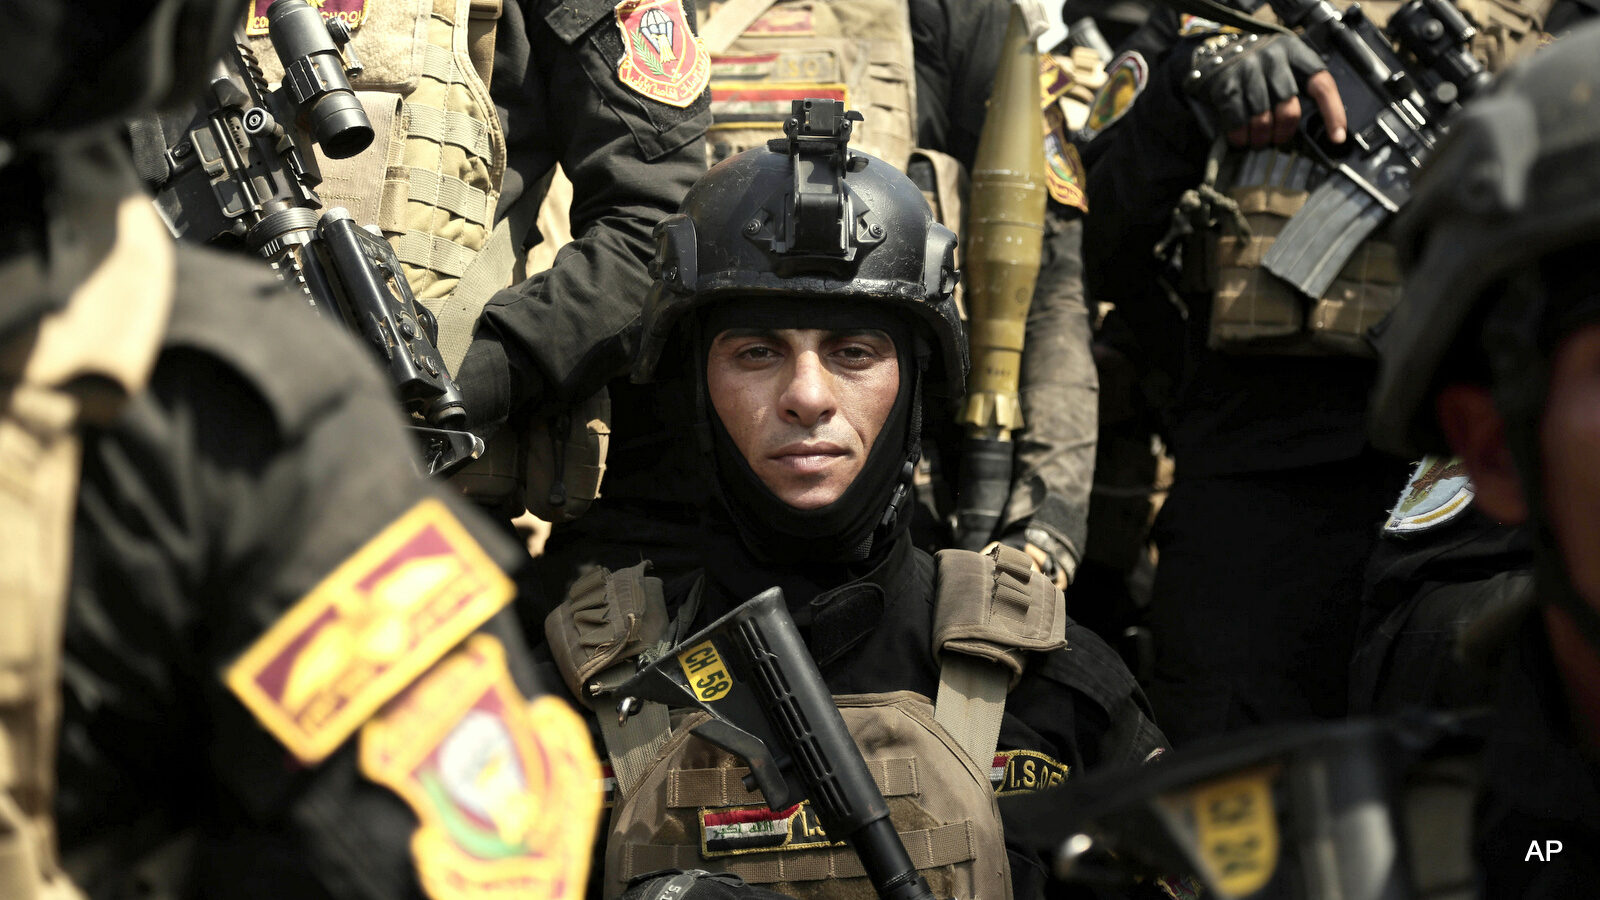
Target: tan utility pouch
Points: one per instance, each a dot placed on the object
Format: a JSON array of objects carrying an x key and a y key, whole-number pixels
[
  {"x": 567, "y": 460},
  {"x": 941, "y": 803},
  {"x": 994, "y": 607},
  {"x": 1253, "y": 311},
  {"x": 608, "y": 618}
]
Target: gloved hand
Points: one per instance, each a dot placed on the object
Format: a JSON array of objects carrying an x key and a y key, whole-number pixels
[{"x": 1251, "y": 83}]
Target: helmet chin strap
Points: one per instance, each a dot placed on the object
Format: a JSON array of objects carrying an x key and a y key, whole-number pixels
[{"x": 1522, "y": 385}]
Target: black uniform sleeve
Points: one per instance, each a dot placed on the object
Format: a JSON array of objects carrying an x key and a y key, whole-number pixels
[
  {"x": 630, "y": 158},
  {"x": 1137, "y": 170},
  {"x": 957, "y": 48},
  {"x": 223, "y": 495}
]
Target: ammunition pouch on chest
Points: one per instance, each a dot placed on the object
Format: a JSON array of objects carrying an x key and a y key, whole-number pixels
[{"x": 1253, "y": 311}]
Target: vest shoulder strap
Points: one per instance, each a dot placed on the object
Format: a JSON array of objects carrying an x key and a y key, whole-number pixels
[
  {"x": 607, "y": 622},
  {"x": 990, "y": 610}
]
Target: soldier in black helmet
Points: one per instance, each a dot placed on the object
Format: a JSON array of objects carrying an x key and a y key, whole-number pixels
[
  {"x": 804, "y": 315},
  {"x": 1491, "y": 356},
  {"x": 275, "y": 663}
]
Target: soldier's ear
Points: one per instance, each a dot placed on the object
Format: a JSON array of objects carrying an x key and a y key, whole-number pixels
[{"x": 1477, "y": 433}]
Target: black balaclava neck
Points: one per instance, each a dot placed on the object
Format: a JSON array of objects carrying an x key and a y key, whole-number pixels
[
  {"x": 1542, "y": 305},
  {"x": 855, "y": 532}
]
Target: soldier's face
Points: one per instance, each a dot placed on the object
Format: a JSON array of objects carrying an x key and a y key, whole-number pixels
[
  {"x": 803, "y": 405},
  {"x": 1570, "y": 434}
]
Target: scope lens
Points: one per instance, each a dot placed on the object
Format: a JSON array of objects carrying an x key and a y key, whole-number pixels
[{"x": 340, "y": 125}]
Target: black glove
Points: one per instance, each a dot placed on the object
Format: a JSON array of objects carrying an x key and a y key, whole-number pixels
[
  {"x": 1241, "y": 77},
  {"x": 695, "y": 884}
]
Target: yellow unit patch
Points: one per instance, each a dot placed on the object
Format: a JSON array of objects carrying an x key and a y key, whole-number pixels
[
  {"x": 367, "y": 630},
  {"x": 708, "y": 678},
  {"x": 1236, "y": 829},
  {"x": 1126, "y": 81},
  {"x": 508, "y": 793},
  {"x": 662, "y": 59}
]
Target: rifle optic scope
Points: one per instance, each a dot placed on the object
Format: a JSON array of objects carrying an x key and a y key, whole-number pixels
[{"x": 314, "y": 79}]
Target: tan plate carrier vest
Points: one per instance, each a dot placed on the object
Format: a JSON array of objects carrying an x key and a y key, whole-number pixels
[
  {"x": 74, "y": 367},
  {"x": 930, "y": 760},
  {"x": 1254, "y": 311}
]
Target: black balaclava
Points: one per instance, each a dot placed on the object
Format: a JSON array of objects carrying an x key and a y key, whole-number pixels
[
  {"x": 1542, "y": 305},
  {"x": 857, "y": 529}
]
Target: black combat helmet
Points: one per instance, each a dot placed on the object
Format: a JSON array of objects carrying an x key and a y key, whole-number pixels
[
  {"x": 1498, "y": 245},
  {"x": 807, "y": 217},
  {"x": 808, "y": 230},
  {"x": 67, "y": 67}
]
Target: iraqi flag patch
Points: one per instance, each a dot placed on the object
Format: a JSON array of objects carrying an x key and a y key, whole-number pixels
[
  {"x": 738, "y": 830},
  {"x": 507, "y": 792},
  {"x": 367, "y": 630},
  {"x": 661, "y": 57}
]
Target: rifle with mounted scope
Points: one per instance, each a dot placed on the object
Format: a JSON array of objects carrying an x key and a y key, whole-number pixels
[
  {"x": 239, "y": 168},
  {"x": 1396, "y": 104}
]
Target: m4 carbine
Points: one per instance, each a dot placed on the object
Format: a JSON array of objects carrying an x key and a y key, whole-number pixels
[
  {"x": 1395, "y": 103},
  {"x": 239, "y": 168}
]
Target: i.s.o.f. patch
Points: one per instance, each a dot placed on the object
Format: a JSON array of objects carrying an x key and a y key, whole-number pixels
[
  {"x": 1438, "y": 492},
  {"x": 351, "y": 12},
  {"x": 507, "y": 792},
  {"x": 1128, "y": 75},
  {"x": 739, "y": 830},
  {"x": 367, "y": 630},
  {"x": 661, "y": 59},
  {"x": 1024, "y": 772}
]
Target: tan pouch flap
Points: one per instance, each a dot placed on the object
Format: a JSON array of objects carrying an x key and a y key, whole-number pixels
[
  {"x": 995, "y": 607},
  {"x": 607, "y": 618}
]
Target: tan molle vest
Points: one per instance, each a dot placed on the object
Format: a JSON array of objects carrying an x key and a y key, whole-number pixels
[
  {"x": 1254, "y": 311},
  {"x": 681, "y": 802},
  {"x": 74, "y": 367}
]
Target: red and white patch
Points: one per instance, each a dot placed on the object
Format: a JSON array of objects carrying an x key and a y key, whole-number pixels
[
  {"x": 661, "y": 59},
  {"x": 1024, "y": 772},
  {"x": 352, "y": 12}
]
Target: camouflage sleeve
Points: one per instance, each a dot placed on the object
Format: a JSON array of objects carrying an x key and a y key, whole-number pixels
[{"x": 1055, "y": 451}]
